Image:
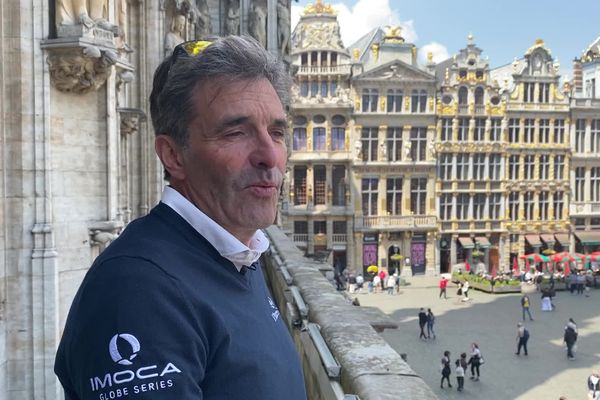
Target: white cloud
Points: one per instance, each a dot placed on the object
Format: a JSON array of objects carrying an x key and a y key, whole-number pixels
[
  {"x": 439, "y": 51},
  {"x": 363, "y": 17}
]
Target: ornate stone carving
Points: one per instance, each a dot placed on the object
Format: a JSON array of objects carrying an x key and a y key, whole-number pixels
[
  {"x": 80, "y": 70},
  {"x": 89, "y": 13},
  {"x": 232, "y": 21},
  {"x": 130, "y": 120},
  {"x": 257, "y": 23},
  {"x": 283, "y": 26},
  {"x": 176, "y": 34},
  {"x": 102, "y": 233}
]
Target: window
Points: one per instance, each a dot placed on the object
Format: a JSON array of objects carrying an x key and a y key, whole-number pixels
[
  {"x": 479, "y": 134},
  {"x": 528, "y": 204},
  {"x": 304, "y": 88},
  {"x": 418, "y": 195},
  {"x": 495, "y": 166},
  {"x": 338, "y": 138},
  {"x": 332, "y": 88},
  {"x": 319, "y": 182},
  {"x": 299, "y": 139},
  {"x": 558, "y": 205},
  {"x": 463, "y": 129},
  {"x": 513, "y": 167},
  {"x": 478, "y": 166},
  {"x": 479, "y": 96},
  {"x": 324, "y": 89},
  {"x": 369, "y": 144},
  {"x": 495, "y": 129},
  {"x": 319, "y": 139},
  {"x": 446, "y": 206},
  {"x": 394, "y": 100},
  {"x": 369, "y": 196},
  {"x": 514, "y": 130},
  {"x": 418, "y": 101},
  {"x": 418, "y": 142},
  {"x": 479, "y": 206},
  {"x": 394, "y": 196},
  {"x": 314, "y": 88},
  {"x": 544, "y": 205},
  {"x": 580, "y": 136},
  {"x": 544, "y": 131},
  {"x": 559, "y": 167},
  {"x": 394, "y": 143},
  {"x": 544, "y": 166},
  {"x": 595, "y": 136},
  {"x": 299, "y": 184},
  {"x": 528, "y": 93},
  {"x": 529, "y": 129},
  {"x": 595, "y": 183},
  {"x": 463, "y": 95},
  {"x": 529, "y": 165},
  {"x": 445, "y": 163},
  {"x": 369, "y": 100},
  {"x": 301, "y": 227},
  {"x": 446, "y": 129},
  {"x": 579, "y": 183},
  {"x": 340, "y": 227},
  {"x": 495, "y": 206},
  {"x": 462, "y": 206},
  {"x": 338, "y": 182},
  {"x": 462, "y": 166},
  {"x": 513, "y": 206},
  {"x": 319, "y": 227},
  {"x": 559, "y": 131},
  {"x": 423, "y": 101},
  {"x": 544, "y": 94}
]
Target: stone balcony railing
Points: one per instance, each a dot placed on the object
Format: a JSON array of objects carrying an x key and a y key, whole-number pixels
[
  {"x": 388, "y": 222},
  {"x": 324, "y": 70},
  {"x": 342, "y": 354},
  {"x": 584, "y": 209}
]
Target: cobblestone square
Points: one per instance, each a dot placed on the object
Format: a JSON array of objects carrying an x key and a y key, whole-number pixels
[{"x": 490, "y": 320}]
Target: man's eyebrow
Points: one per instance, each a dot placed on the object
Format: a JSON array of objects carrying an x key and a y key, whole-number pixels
[
  {"x": 280, "y": 123},
  {"x": 240, "y": 120}
]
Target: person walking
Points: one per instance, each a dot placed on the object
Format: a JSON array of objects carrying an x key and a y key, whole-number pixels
[
  {"x": 525, "y": 303},
  {"x": 446, "y": 370},
  {"x": 391, "y": 284},
  {"x": 422, "y": 323},
  {"x": 465, "y": 291},
  {"x": 475, "y": 361},
  {"x": 460, "y": 375},
  {"x": 360, "y": 280},
  {"x": 570, "y": 338},
  {"x": 522, "y": 338},
  {"x": 593, "y": 383},
  {"x": 430, "y": 322},
  {"x": 443, "y": 286}
]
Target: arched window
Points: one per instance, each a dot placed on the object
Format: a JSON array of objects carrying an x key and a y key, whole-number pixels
[
  {"x": 479, "y": 95},
  {"x": 463, "y": 95}
]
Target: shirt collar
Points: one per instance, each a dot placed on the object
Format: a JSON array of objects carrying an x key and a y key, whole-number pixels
[{"x": 226, "y": 244}]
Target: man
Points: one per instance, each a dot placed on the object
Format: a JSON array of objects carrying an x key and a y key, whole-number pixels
[
  {"x": 422, "y": 323},
  {"x": 522, "y": 338},
  {"x": 525, "y": 304},
  {"x": 177, "y": 307},
  {"x": 570, "y": 338},
  {"x": 443, "y": 286},
  {"x": 593, "y": 383}
]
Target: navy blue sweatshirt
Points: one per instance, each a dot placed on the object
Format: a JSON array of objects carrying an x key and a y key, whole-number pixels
[{"x": 161, "y": 315}]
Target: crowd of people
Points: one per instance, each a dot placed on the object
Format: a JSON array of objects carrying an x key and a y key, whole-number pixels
[{"x": 461, "y": 367}]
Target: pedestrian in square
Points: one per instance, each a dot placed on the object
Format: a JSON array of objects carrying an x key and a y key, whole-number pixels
[
  {"x": 430, "y": 322},
  {"x": 522, "y": 338},
  {"x": 460, "y": 375},
  {"x": 525, "y": 305},
  {"x": 422, "y": 323},
  {"x": 446, "y": 370},
  {"x": 443, "y": 285}
]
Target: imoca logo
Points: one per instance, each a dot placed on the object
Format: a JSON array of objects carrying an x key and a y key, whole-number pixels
[{"x": 114, "y": 350}]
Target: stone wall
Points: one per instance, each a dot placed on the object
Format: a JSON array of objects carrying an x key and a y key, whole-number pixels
[{"x": 370, "y": 368}]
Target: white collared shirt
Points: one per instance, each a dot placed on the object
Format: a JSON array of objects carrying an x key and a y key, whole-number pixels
[{"x": 226, "y": 244}]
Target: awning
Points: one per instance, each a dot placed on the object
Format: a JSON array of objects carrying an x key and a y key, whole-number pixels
[
  {"x": 563, "y": 239},
  {"x": 483, "y": 242},
  {"x": 548, "y": 238},
  {"x": 466, "y": 242},
  {"x": 534, "y": 240},
  {"x": 588, "y": 237}
]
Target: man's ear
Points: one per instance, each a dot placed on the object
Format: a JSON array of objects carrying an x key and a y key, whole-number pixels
[{"x": 170, "y": 154}]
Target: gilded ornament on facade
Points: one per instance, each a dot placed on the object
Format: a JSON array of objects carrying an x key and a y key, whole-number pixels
[
  {"x": 319, "y": 8},
  {"x": 356, "y": 53},
  {"x": 382, "y": 100},
  {"x": 375, "y": 50},
  {"x": 392, "y": 34}
]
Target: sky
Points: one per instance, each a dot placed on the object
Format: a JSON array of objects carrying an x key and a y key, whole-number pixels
[{"x": 503, "y": 29}]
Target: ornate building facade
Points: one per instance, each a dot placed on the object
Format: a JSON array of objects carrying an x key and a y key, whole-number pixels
[
  {"x": 426, "y": 167},
  {"x": 77, "y": 159}
]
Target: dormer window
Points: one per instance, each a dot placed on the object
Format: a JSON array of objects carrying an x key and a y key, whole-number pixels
[{"x": 462, "y": 74}]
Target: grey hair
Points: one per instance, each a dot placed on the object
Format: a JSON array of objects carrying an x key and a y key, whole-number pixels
[{"x": 232, "y": 58}]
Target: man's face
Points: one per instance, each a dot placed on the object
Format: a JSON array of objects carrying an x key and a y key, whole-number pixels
[{"x": 234, "y": 162}]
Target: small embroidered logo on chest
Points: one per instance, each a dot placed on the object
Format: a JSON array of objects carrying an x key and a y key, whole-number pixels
[{"x": 275, "y": 311}]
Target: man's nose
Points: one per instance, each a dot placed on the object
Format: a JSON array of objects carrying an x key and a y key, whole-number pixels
[{"x": 267, "y": 150}]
